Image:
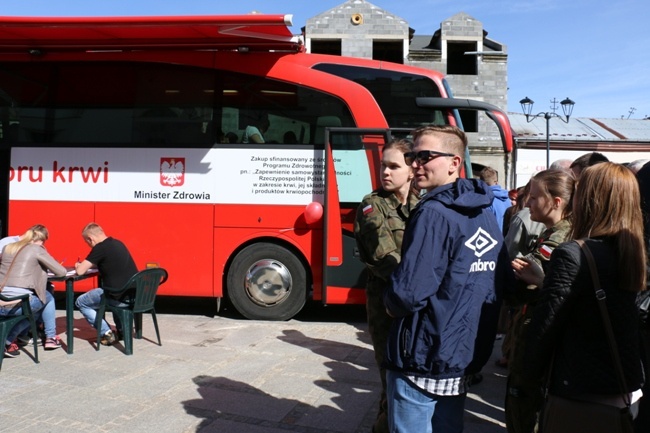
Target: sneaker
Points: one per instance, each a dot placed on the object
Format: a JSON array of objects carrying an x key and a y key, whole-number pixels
[
  {"x": 108, "y": 339},
  {"x": 27, "y": 340},
  {"x": 52, "y": 343},
  {"x": 11, "y": 350}
]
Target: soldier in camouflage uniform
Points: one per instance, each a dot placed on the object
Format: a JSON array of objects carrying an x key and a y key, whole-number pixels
[
  {"x": 379, "y": 228},
  {"x": 550, "y": 198}
]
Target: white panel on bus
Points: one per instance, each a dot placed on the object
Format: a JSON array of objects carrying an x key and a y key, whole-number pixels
[{"x": 237, "y": 176}]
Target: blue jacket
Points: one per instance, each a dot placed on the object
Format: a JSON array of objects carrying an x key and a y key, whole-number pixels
[
  {"x": 449, "y": 281},
  {"x": 500, "y": 203}
]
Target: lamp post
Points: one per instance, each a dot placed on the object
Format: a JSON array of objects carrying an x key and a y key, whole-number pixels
[{"x": 567, "y": 108}]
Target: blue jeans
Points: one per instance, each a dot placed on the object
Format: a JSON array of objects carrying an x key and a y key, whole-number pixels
[
  {"x": 23, "y": 325},
  {"x": 48, "y": 316},
  {"x": 88, "y": 303},
  {"x": 411, "y": 409}
]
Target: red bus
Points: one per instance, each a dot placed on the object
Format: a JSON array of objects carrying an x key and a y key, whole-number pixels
[{"x": 136, "y": 123}]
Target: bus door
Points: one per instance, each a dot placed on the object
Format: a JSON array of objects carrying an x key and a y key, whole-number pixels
[
  {"x": 352, "y": 164},
  {"x": 352, "y": 171}
]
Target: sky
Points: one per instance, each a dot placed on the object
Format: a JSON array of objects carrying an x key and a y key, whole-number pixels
[{"x": 592, "y": 51}]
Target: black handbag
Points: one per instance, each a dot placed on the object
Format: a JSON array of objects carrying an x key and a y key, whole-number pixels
[{"x": 563, "y": 415}]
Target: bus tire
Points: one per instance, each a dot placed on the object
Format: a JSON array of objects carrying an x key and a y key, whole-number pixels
[{"x": 267, "y": 282}]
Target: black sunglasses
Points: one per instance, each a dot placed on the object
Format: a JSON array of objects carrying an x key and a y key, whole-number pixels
[{"x": 423, "y": 156}]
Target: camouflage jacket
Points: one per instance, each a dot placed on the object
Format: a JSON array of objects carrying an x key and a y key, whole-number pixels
[
  {"x": 379, "y": 229},
  {"x": 541, "y": 252},
  {"x": 548, "y": 240}
]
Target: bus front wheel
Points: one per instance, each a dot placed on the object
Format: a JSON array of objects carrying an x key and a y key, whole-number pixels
[{"x": 267, "y": 282}]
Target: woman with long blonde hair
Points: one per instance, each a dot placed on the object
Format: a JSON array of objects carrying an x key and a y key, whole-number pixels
[
  {"x": 23, "y": 270},
  {"x": 567, "y": 332}
]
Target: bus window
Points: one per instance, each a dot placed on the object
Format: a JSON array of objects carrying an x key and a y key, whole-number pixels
[
  {"x": 152, "y": 104},
  {"x": 395, "y": 92},
  {"x": 353, "y": 173}
]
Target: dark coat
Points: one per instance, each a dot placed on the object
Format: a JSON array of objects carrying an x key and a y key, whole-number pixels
[
  {"x": 446, "y": 291},
  {"x": 566, "y": 325}
]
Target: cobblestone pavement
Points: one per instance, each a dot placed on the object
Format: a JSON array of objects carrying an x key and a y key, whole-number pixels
[{"x": 312, "y": 374}]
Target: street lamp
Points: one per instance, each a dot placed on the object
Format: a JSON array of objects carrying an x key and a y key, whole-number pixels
[{"x": 567, "y": 108}]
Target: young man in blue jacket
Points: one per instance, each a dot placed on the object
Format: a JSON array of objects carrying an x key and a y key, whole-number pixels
[
  {"x": 443, "y": 295},
  {"x": 501, "y": 201}
]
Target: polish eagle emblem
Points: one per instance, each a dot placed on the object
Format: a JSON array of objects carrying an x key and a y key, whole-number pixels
[{"x": 172, "y": 171}]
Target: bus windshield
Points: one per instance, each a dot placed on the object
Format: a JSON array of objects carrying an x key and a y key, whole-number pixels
[{"x": 395, "y": 92}]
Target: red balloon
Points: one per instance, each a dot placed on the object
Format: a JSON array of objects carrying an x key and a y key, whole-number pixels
[{"x": 313, "y": 212}]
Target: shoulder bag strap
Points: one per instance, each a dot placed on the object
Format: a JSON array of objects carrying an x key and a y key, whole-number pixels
[
  {"x": 600, "y": 297},
  {"x": 2, "y": 286}
]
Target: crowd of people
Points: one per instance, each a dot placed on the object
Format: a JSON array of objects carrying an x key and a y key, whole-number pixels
[
  {"x": 447, "y": 257},
  {"x": 24, "y": 267}
]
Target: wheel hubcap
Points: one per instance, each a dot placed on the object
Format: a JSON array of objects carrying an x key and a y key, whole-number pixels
[{"x": 268, "y": 282}]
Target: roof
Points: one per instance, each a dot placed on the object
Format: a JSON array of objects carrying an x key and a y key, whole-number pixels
[
  {"x": 255, "y": 31},
  {"x": 420, "y": 42},
  {"x": 356, "y": 6},
  {"x": 581, "y": 129}
]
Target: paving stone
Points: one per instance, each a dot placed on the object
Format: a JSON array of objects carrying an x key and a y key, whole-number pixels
[{"x": 217, "y": 374}]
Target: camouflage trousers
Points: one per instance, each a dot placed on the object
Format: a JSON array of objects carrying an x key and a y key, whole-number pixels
[
  {"x": 379, "y": 326},
  {"x": 522, "y": 406},
  {"x": 523, "y": 398}
]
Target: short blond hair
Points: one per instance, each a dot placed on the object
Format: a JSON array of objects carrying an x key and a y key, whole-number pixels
[
  {"x": 92, "y": 229},
  {"x": 453, "y": 139},
  {"x": 489, "y": 176}
]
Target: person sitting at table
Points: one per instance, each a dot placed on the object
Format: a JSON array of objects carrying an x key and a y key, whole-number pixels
[
  {"x": 23, "y": 270},
  {"x": 116, "y": 266},
  {"x": 25, "y": 338}
]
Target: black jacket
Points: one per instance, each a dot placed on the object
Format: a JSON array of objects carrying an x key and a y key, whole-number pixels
[{"x": 566, "y": 325}]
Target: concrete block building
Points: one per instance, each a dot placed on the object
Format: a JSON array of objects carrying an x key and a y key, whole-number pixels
[{"x": 475, "y": 65}]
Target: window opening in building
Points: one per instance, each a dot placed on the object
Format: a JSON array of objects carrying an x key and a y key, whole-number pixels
[
  {"x": 389, "y": 51},
  {"x": 326, "y": 46},
  {"x": 458, "y": 62}
]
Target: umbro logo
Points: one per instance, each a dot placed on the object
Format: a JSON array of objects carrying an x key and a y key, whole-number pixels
[{"x": 481, "y": 242}]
